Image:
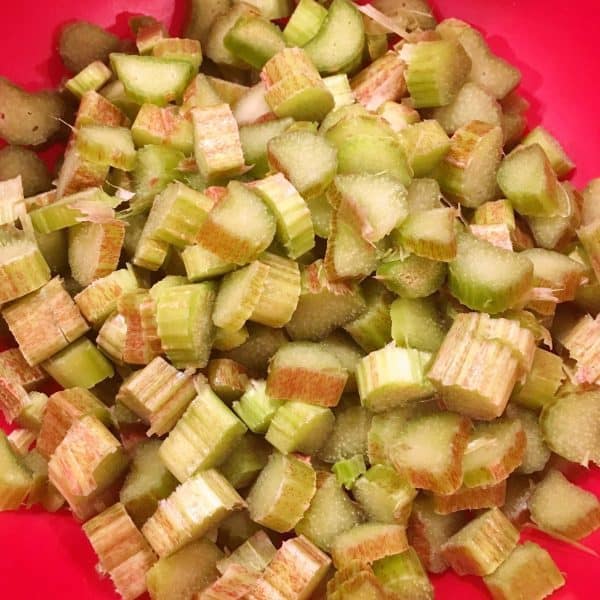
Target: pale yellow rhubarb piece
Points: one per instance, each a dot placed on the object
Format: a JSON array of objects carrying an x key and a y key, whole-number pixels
[
  {"x": 471, "y": 498},
  {"x": 475, "y": 374},
  {"x": 234, "y": 584},
  {"x": 583, "y": 345},
  {"x": 13, "y": 398},
  {"x": 45, "y": 322},
  {"x": 99, "y": 299},
  {"x": 217, "y": 145},
  {"x": 159, "y": 394},
  {"x": 497, "y": 235},
  {"x": 528, "y": 572},
  {"x": 12, "y": 200},
  {"x": 87, "y": 461},
  {"x": 382, "y": 81},
  {"x": 282, "y": 493},
  {"x": 195, "y": 507},
  {"x": 23, "y": 269},
  {"x": 203, "y": 436},
  {"x": 95, "y": 249},
  {"x": 122, "y": 550},
  {"x": 21, "y": 440},
  {"x": 294, "y": 573},
  {"x": 367, "y": 543},
  {"x": 482, "y": 545}
]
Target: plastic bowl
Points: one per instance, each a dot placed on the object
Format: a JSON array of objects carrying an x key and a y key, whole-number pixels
[{"x": 553, "y": 42}]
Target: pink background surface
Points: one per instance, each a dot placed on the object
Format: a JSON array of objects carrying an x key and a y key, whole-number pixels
[{"x": 553, "y": 42}]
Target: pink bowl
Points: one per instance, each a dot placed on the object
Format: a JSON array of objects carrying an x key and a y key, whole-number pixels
[{"x": 553, "y": 42}]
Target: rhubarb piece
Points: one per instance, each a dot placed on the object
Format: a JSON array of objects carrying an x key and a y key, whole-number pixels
[
  {"x": 417, "y": 323},
  {"x": 180, "y": 49},
  {"x": 482, "y": 545},
  {"x": 489, "y": 71},
  {"x": 436, "y": 71},
  {"x": 382, "y": 81},
  {"x": 156, "y": 167},
  {"x": 159, "y": 394},
  {"x": 528, "y": 571},
  {"x": 108, "y": 146},
  {"x": 349, "y": 435},
  {"x": 201, "y": 264},
  {"x": 330, "y": 514},
  {"x": 21, "y": 440},
  {"x": 559, "y": 160},
  {"x": 403, "y": 575},
  {"x": 428, "y": 531},
  {"x": 261, "y": 345},
  {"x": 147, "y": 483},
  {"x": 79, "y": 365},
  {"x": 518, "y": 492},
  {"x": 536, "y": 453},
  {"x": 42, "y": 491},
  {"x": 196, "y": 506},
  {"x": 300, "y": 427},
  {"x": 471, "y": 498},
  {"x": 203, "y": 436},
  {"x": 429, "y": 451},
  {"x": 14, "y": 367},
  {"x": 474, "y": 377},
  {"x": 16, "y": 479},
  {"x": 371, "y": 330},
  {"x": 62, "y": 410},
  {"x": 99, "y": 299},
  {"x": 355, "y": 581},
  {"x": 295, "y": 572},
  {"x": 398, "y": 116},
  {"x": 347, "y": 471},
  {"x": 430, "y": 234},
  {"x": 185, "y": 572},
  {"x": 151, "y": 79},
  {"x": 238, "y": 295},
  {"x": 339, "y": 43},
  {"x": 559, "y": 507},
  {"x": 217, "y": 145},
  {"x": 306, "y": 372},
  {"x": 304, "y": 23},
  {"x": 282, "y": 493},
  {"x": 368, "y": 543},
  {"x": 95, "y": 249},
  {"x": 44, "y": 322},
  {"x": 280, "y": 292},
  {"x": 411, "y": 276},
  {"x": 528, "y": 181},
  {"x": 227, "y": 378},
  {"x": 486, "y": 278},
  {"x": 393, "y": 377},
  {"x": 22, "y": 266},
  {"x": 123, "y": 552},
  {"x": 247, "y": 459},
  {"x": 254, "y": 40},
  {"x": 141, "y": 338},
  {"x": 294, "y": 225},
  {"x": 467, "y": 173},
  {"x": 254, "y": 554},
  {"x": 228, "y": 340},
  {"x": 221, "y": 234},
  {"x": 87, "y": 461},
  {"x": 472, "y": 103},
  {"x": 425, "y": 144},
  {"x": 162, "y": 126},
  {"x": 385, "y": 495},
  {"x": 375, "y": 204},
  {"x": 570, "y": 427},
  {"x": 312, "y": 176},
  {"x": 76, "y": 175},
  {"x": 90, "y": 205},
  {"x": 493, "y": 452},
  {"x": 13, "y": 398},
  {"x": 184, "y": 323},
  {"x": 254, "y": 138},
  {"x": 339, "y": 86},
  {"x": 256, "y": 408}
]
